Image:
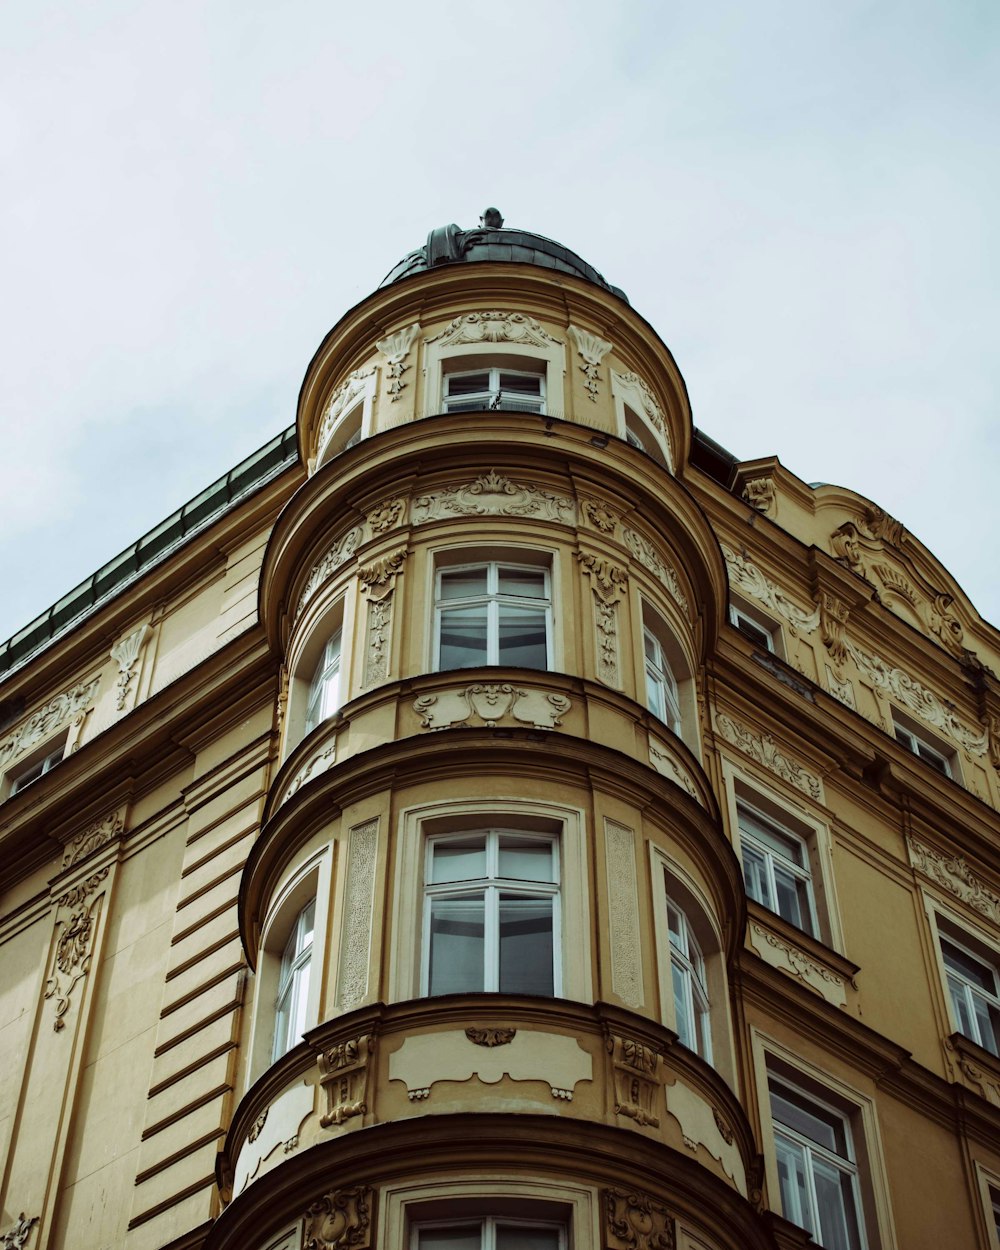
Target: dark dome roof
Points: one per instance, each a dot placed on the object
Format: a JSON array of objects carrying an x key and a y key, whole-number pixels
[{"x": 448, "y": 245}]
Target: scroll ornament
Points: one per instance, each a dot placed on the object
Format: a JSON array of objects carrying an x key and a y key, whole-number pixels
[
  {"x": 763, "y": 749},
  {"x": 47, "y": 719},
  {"x": 748, "y": 577},
  {"x": 341, "y": 1220},
  {"x": 396, "y": 348},
  {"x": 94, "y": 836},
  {"x": 491, "y": 1037},
  {"x": 126, "y": 653},
  {"x": 592, "y": 351},
  {"x": 493, "y": 327},
  {"x": 73, "y": 949},
  {"x": 491, "y": 702},
  {"x": 634, "y": 1221},
  {"x": 952, "y": 873},
  {"x": 493, "y": 494},
  {"x": 16, "y": 1237}
]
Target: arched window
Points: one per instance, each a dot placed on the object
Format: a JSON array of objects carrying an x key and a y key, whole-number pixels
[{"x": 324, "y": 688}]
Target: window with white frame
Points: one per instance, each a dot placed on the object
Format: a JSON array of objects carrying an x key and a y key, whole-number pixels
[
  {"x": 293, "y": 982},
  {"x": 324, "y": 688},
  {"x": 662, "y": 695},
  {"x": 922, "y": 747},
  {"x": 493, "y": 613},
  {"x": 478, "y": 390},
  {"x": 491, "y": 913},
  {"x": 995, "y": 1210},
  {"x": 776, "y": 869},
  {"x": 489, "y": 1233},
  {"x": 973, "y": 978},
  {"x": 760, "y": 632},
  {"x": 690, "y": 984},
  {"x": 37, "y": 767},
  {"x": 817, "y": 1166}
]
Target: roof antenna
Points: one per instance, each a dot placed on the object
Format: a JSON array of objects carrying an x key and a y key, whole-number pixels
[{"x": 491, "y": 219}]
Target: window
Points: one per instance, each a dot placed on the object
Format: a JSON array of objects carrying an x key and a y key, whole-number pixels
[
  {"x": 293, "y": 982},
  {"x": 974, "y": 990},
  {"x": 482, "y": 389},
  {"x": 995, "y": 1211},
  {"x": 776, "y": 869},
  {"x": 493, "y": 614},
  {"x": 920, "y": 747},
  {"x": 491, "y": 1233},
  {"x": 324, "y": 689},
  {"x": 661, "y": 686},
  {"x": 37, "y": 768},
  {"x": 491, "y": 913},
  {"x": 817, "y": 1170},
  {"x": 759, "y": 633},
  {"x": 687, "y": 970}
]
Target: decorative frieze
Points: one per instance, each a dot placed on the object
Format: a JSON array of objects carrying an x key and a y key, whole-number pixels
[
  {"x": 607, "y": 581},
  {"x": 71, "y": 958},
  {"x": 386, "y": 516},
  {"x": 491, "y": 702},
  {"x": 623, "y": 909},
  {"x": 338, "y": 555},
  {"x": 790, "y": 958},
  {"x": 636, "y": 1081},
  {"x": 953, "y": 874},
  {"x": 126, "y": 653},
  {"x": 341, "y": 1220},
  {"x": 493, "y": 494},
  {"x": 592, "y": 351},
  {"x": 50, "y": 717},
  {"x": 667, "y": 765},
  {"x": 94, "y": 836},
  {"x": 493, "y": 327},
  {"x": 377, "y": 581},
  {"x": 633, "y": 1221},
  {"x": 763, "y": 749},
  {"x": 345, "y": 1070},
  {"x": 395, "y": 348},
  {"x": 646, "y": 554},
  {"x": 360, "y": 894},
  {"x": 745, "y": 575}
]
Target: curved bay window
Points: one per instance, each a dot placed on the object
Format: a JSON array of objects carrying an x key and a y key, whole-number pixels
[
  {"x": 661, "y": 685},
  {"x": 491, "y": 1233},
  {"x": 491, "y": 913},
  {"x": 493, "y": 613},
  {"x": 690, "y": 984},
  {"x": 324, "y": 688},
  {"x": 293, "y": 982},
  {"x": 480, "y": 390}
]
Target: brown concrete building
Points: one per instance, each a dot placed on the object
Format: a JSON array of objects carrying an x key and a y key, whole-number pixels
[{"x": 494, "y": 818}]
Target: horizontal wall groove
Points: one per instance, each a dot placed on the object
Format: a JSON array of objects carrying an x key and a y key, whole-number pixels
[
  {"x": 184, "y": 999},
  {"x": 188, "y": 1192},
  {"x": 217, "y": 945},
  {"x": 217, "y": 1091},
  {"x": 225, "y": 1010},
  {"x": 190, "y": 1069},
  {"x": 190, "y": 1149}
]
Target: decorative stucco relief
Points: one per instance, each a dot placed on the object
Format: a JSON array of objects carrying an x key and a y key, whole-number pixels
[
  {"x": 634, "y": 1221},
  {"x": 341, "y": 1220},
  {"x": 842, "y": 690},
  {"x": 600, "y": 516},
  {"x": 338, "y": 554},
  {"x": 491, "y": 1037},
  {"x": 424, "y": 1059},
  {"x": 360, "y": 894},
  {"x": 635, "y": 1079},
  {"x": 623, "y": 911},
  {"x": 744, "y": 574},
  {"x": 789, "y": 958},
  {"x": 493, "y": 327},
  {"x": 16, "y": 1237},
  {"x": 491, "y": 702},
  {"x": 492, "y": 494},
  {"x": 345, "y": 1070},
  {"x": 833, "y": 614},
  {"x": 386, "y": 515},
  {"x": 634, "y": 391},
  {"x": 953, "y": 874},
  {"x": 646, "y": 554},
  {"x": 985, "y": 1083},
  {"x": 993, "y": 729},
  {"x": 916, "y": 698},
  {"x": 763, "y": 749},
  {"x": 276, "y": 1128},
  {"x": 341, "y": 401},
  {"x": 699, "y": 1127},
  {"x": 310, "y": 769},
  {"x": 377, "y": 581},
  {"x": 126, "y": 653},
  {"x": 94, "y": 836},
  {"x": 592, "y": 351},
  {"x": 607, "y": 581},
  {"x": 667, "y": 765},
  {"x": 71, "y": 958},
  {"x": 53, "y": 715},
  {"x": 395, "y": 348},
  {"x": 760, "y": 494}
]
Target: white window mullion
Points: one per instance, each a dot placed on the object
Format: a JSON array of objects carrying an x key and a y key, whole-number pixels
[{"x": 491, "y": 944}]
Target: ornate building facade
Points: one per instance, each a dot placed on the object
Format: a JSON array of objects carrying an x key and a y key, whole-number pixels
[{"x": 495, "y": 818}]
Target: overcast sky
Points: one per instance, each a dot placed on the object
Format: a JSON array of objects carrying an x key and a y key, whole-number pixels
[{"x": 800, "y": 196}]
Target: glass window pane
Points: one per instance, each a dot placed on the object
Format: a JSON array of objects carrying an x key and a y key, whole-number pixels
[
  {"x": 525, "y": 945},
  {"x": 519, "y": 1238},
  {"x": 521, "y": 383},
  {"x": 972, "y": 969},
  {"x": 796, "y": 1205},
  {"x": 684, "y": 1016},
  {"x": 459, "y": 859},
  {"x": 522, "y": 637},
  {"x": 522, "y": 860},
  {"x": 838, "y": 1221},
  {"x": 826, "y": 1128},
  {"x": 525, "y": 583},
  {"x": 788, "y": 897},
  {"x": 784, "y": 844},
  {"x": 464, "y": 1238},
  {"x": 463, "y": 583},
  {"x": 463, "y": 637},
  {"x": 986, "y": 1018},
  {"x": 755, "y": 876},
  {"x": 468, "y": 383},
  {"x": 457, "y": 944},
  {"x": 960, "y": 1002}
]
